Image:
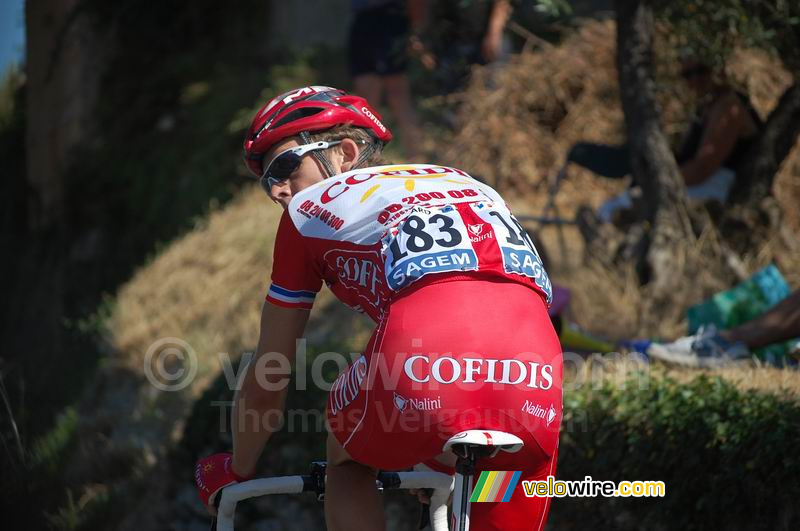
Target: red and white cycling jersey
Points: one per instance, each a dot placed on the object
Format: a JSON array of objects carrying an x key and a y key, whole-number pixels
[{"x": 370, "y": 233}]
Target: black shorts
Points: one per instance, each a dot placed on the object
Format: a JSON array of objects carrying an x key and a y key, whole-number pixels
[{"x": 378, "y": 39}]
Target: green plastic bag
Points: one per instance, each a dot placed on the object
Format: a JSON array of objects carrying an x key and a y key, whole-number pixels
[{"x": 745, "y": 302}]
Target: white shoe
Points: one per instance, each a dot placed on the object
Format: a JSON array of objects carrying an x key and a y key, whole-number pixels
[{"x": 704, "y": 349}]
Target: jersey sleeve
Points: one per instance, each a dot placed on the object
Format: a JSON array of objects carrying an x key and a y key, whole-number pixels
[{"x": 296, "y": 278}]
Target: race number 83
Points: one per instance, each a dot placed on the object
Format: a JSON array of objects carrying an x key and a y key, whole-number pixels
[{"x": 427, "y": 242}]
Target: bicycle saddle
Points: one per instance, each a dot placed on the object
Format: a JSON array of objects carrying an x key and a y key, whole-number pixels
[{"x": 499, "y": 440}]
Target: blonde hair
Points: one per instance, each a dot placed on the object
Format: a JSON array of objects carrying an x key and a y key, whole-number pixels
[{"x": 360, "y": 136}]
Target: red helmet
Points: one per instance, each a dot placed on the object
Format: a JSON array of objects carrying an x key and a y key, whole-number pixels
[{"x": 308, "y": 109}]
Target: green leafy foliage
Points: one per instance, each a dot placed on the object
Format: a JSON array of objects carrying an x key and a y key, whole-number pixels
[
  {"x": 710, "y": 29},
  {"x": 728, "y": 457},
  {"x": 553, "y": 8},
  {"x": 50, "y": 450},
  {"x": 90, "y": 511}
]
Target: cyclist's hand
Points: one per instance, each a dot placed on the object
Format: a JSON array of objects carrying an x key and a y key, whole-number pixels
[{"x": 212, "y": 474}]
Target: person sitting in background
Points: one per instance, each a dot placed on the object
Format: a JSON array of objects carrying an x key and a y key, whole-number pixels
[
  {"x": 377, "y": 53},
  {"x": 712, "y": 347},
  {"x": 724, "y": 126}
]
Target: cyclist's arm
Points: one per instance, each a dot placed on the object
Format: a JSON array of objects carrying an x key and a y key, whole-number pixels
[{"x": 259, "y": 404}]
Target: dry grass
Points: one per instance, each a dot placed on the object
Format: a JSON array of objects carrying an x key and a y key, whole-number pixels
[
  {"x": 207, "y": 289},
  {"x": 628, "y": 372},
  {"x": 749, "y": 377},
  {"x": 204, "y": 289},
  {"x": 527, "y": 116},
  {"x": 533, "y": 110}
]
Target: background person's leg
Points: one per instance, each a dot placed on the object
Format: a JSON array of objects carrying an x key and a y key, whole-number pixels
[
  {"x": 352, "y": 502},
  {"x": 780, "y": 323},
  {"x": 398, "y": 96},
  {"x": 369, "y": 86}
]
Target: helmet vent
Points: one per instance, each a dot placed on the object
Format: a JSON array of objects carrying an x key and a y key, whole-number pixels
[{"x": 303, "y": 112}]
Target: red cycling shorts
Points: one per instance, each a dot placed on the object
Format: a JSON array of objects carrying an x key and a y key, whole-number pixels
[{"x": 450, "y": 356}]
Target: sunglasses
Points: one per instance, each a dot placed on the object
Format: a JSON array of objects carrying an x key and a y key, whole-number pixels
[{"x": 285, "y": 163}]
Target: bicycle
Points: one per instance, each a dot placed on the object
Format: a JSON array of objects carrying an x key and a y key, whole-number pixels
[{"x": 468, "y": 446}]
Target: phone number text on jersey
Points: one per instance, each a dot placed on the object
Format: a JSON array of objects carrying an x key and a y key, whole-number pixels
[{"x": 311, "y": 210}]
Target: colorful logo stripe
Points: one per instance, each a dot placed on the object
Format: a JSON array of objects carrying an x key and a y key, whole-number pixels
[{"x": 495, "y": 486}]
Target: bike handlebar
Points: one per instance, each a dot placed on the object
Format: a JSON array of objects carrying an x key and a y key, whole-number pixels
[
  {"x": 230, "y": 496},
  {"x": 233, "y": 494}
]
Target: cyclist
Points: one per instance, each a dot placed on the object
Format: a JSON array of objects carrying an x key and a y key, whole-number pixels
[{"x": 463, "y": 339}]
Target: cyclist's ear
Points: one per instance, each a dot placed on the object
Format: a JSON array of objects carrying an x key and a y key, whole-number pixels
[{"x": 350, "y": 151}]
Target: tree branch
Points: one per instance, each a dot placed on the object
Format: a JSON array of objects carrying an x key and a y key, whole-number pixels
[{"x": 776, "y": 140}]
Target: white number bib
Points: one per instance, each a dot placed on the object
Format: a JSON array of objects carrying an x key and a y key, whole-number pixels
[
  {"x": 519, "y": 253},
  {"x": 427, "y": 241}
]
